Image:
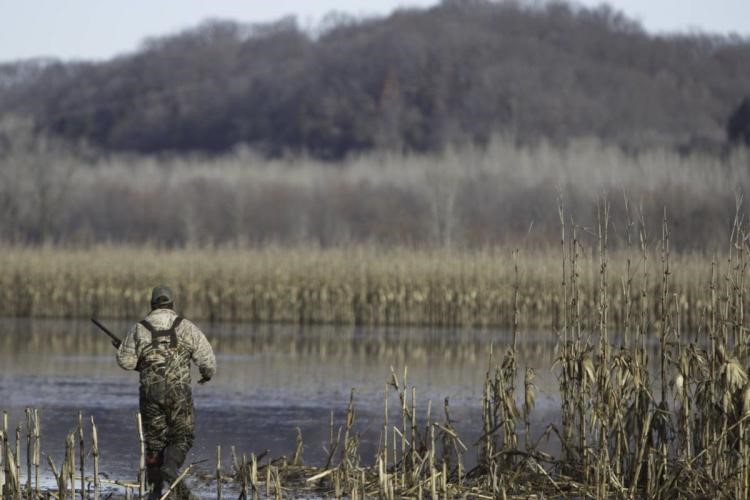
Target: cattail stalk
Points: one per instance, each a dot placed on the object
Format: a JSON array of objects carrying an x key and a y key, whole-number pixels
[
  {"x": 18, "y": 459},
  {"x": 81, "y": 456},
  {"x": 349, "y": 422},
  {"x": 59, "y": 478},
  {"x": 95, "y": 453},
  {"x": 142, "y": 457},
  {"x": 254, "y": 475},
  {"x": 297, "y": 459},
  {"x": 268, "y": 482},
  {"x": 218, "y": 472},
  {"x": 70, "y": 463},
  {"x": 385, "y": 430},
  {"x": 404, "y": 417},
  {"x": 3, "y": 461},
  {"x": 37, "y": 449},
  {"x": 243, "y": 472},
  {"x": 414, "y": 433},
  {"x": 29, "y": 452},
  {"x": 176, "y": 482},
  {"x": 433, "y": 478}
]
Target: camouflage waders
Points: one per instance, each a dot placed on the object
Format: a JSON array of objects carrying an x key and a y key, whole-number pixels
[
  {"x": 166, "y": 403},
  {"x": 161, "y": 348}
]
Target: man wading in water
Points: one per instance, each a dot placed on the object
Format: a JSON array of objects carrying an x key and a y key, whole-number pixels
[{"x": 161, "y": 347}]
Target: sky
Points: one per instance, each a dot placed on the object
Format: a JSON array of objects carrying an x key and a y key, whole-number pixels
[{"x": 101, "y": 29}]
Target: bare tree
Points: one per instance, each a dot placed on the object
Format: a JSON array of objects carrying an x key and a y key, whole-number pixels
[{"x": 36, "y": 173}]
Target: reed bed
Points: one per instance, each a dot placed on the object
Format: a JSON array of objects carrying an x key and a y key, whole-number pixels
[
  {"x": 638, "y": 417},
  {"x": 347, "y": 286},
  {"x": 652, "y": 356}
]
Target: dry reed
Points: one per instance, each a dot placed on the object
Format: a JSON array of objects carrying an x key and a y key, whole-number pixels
[
  {"x": 349, "y": 286},
  {"x": 638, "y": 418}
]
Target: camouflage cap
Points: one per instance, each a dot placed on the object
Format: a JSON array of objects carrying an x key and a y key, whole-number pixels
[{"x": 161, "y": 296}]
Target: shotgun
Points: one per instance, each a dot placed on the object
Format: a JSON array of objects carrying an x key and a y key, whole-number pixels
[{"x": 115, "y": 341}]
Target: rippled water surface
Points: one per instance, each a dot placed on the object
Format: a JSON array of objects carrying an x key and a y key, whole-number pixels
[{"x": 270, "y": 380}]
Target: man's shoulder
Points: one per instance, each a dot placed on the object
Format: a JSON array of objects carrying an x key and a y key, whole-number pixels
[
  {"x": 187, "y": 327},
  {"x": 186, "y": 322}
]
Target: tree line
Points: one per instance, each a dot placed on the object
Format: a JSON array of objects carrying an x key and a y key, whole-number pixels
[
  {"x": 466, "y": 197},
  {"x": 418, "y": 80}
]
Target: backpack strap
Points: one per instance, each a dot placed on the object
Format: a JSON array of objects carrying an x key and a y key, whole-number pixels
[
  {"x": 171, "y": 332},
  {"x": 148, "y": 326}
]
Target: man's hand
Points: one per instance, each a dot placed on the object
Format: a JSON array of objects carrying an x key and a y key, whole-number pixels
[{"x": 203, "y": 380}]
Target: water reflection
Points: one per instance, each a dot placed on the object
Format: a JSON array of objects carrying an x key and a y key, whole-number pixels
[{"x": 270, "y": 380}]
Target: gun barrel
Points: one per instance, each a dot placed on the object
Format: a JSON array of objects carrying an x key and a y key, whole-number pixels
[{"x": 115, "y": 340}]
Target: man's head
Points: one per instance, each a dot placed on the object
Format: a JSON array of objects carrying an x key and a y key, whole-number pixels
[{"x": 161, "y": 298}]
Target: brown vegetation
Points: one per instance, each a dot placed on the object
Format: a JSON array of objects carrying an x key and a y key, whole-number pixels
[
  {"x": 360, "y": 285},
  {"x": 638, "y": 418}
]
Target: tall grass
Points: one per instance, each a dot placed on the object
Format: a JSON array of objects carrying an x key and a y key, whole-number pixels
[
  {"x": 664, "y": 421},
  {"x": 658, "y": 411},
  {"x": 355, "y": 285}
]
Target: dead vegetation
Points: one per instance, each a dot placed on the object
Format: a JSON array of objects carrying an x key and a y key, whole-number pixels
[{"x": 657, "y": 408}]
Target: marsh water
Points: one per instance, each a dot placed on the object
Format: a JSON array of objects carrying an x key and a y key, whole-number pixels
[{"x": 271, "y": 379}]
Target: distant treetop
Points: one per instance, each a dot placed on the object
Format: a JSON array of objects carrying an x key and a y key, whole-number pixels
[{"x": 417, "y": 80}]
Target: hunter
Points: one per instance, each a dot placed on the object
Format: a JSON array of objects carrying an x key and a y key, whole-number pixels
[{"x": 161, "y": 348}]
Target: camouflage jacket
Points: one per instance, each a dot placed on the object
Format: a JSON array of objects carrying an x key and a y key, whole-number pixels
[{"x": 161, "y": 358}]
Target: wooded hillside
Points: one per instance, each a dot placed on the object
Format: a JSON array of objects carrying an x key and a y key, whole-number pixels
[{"x": 417, "y": 80}]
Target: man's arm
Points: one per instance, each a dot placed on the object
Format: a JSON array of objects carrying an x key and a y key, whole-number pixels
[
  {"x": 203, "y": 354},
  {"x": 127, "y": 357}
]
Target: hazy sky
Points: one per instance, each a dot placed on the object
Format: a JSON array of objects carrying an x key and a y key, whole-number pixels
[{"x": 99, "y": 29}]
